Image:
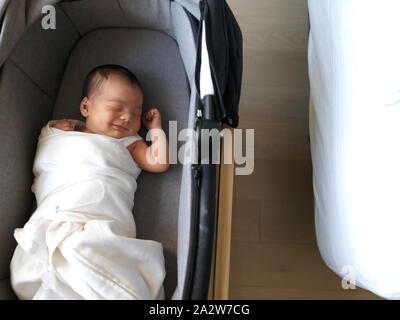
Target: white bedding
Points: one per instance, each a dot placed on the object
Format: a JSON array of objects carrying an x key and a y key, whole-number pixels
[
  {"x": 354, "y": 70},
  {"x": 81, "y": 242}
]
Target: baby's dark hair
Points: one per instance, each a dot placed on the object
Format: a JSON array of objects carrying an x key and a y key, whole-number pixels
[{"x": 95, "y": 78}]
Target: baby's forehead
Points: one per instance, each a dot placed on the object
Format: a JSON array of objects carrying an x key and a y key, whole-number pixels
[
  {"x": 124, "y": 93},
  {"x": 111, "y": 82},
  {"x": 119, "y": 81}
]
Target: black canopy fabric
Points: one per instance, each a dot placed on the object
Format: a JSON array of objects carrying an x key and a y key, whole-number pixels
[{"x": 225, "y": 50}]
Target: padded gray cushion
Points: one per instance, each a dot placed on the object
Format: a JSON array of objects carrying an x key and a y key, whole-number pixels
[
  {"x": 42, "y": 53},
  {"x": 24, "y": 109},
  {"x": 155, "y": 59},
  {"x": 28, "y": 87}
]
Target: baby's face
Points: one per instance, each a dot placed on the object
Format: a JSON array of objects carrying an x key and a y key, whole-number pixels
[{"x": 115, "y": 109}]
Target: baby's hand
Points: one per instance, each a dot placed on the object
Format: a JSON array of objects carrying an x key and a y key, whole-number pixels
[
  {"x": 63, "y": 124},
  {"x": 152, "y": 119}
]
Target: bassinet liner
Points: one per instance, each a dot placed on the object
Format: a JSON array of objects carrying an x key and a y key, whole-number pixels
[{"x": 42, "y": 72}]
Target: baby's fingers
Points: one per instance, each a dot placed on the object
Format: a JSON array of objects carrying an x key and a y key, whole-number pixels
[
  {"x": 148, "y": 115},
  {"x": 155, "y": 111},
  {"x": 64, "y": 125},
  {"x": 152, "y": 113},
  {"x": 66, "y": 128}
]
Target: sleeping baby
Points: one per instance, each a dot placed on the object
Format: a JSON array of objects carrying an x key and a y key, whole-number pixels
[
  {"x": 80, "y": 243},
  {"x": 112, "y": 105}
]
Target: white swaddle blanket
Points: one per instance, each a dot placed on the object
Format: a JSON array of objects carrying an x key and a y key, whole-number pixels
[{"x": 80, "y": 243}]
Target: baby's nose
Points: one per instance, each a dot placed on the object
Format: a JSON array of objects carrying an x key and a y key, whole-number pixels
[{"x": 125, "y": 117}]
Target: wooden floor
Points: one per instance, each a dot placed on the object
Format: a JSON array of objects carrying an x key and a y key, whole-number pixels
[{"x": 274, "y": 253}]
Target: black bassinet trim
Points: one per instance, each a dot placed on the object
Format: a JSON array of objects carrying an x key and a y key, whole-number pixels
[{"x": 202, "y": 228}]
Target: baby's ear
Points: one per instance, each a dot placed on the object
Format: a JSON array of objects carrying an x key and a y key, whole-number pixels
[{"x": 84, "y": 106}]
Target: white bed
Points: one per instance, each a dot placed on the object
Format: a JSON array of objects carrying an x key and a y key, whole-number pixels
[{"x": 354, "y": 70}]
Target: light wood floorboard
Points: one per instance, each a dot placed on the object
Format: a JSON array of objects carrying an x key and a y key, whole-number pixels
[{"x": 274, "y": 253}]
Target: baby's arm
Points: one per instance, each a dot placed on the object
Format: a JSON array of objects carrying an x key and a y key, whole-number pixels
[{"x": 156, "y": 157}]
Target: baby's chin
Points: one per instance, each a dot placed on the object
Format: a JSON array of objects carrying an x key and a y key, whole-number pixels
[
  {"x": 111, "y": 131},
  {"x": 115, "y": 133}
]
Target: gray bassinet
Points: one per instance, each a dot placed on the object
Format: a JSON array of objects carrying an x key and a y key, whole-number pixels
[{"x": 41, "y": 77}]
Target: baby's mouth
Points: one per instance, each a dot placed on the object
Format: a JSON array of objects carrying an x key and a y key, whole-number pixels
[{"x": 118, "y": 127}]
